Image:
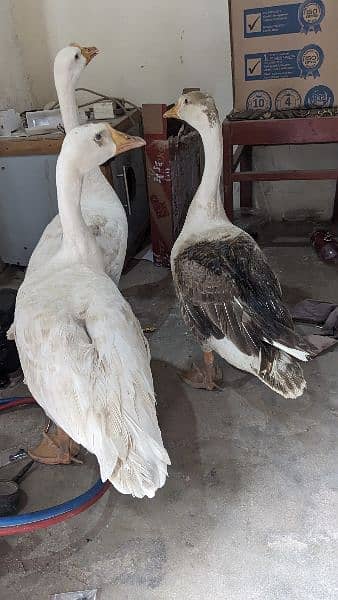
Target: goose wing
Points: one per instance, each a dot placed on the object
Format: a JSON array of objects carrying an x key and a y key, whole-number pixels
[
  {"x": 89, "y": 368},
  {"x": 226, "y": 288}
]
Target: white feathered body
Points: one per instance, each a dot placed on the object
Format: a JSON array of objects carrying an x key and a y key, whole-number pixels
[
  {"x": 105, "y": 217},
  {"x": 87, "y": 364}
]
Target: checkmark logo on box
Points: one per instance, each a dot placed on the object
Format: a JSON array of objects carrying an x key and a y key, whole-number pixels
[
  {"x": 253, "y": 23},
  {"x": 253, "y": 67}
]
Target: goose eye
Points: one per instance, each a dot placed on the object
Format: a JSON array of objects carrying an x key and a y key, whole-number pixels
[
  {"x": 77, "y": 56},
  {"x": 98, "y": 137},
  {"x": 186, "y": 101}
]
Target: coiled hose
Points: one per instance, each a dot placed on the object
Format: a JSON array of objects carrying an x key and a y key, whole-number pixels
[{"x": 28, "y": 522}]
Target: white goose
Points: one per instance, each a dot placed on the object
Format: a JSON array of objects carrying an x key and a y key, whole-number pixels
[
  {"x": 101, "y": 207},
  {"x": 229, "y": 296},
  {"x": 82, "y": 350}
]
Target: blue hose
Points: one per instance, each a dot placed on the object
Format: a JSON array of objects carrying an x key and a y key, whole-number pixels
[
  {"x": 54, "y": 511},
  {"x": 4, "y": 401},
  {"x": 55, "y": 514}
]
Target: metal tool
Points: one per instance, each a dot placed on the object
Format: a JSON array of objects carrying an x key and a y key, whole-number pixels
[
  {"x": 20, "y": 454},
  {"x": 10, "y": 492}
]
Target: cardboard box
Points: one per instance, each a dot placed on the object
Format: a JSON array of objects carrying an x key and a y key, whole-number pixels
[
  {"x": 284, "y": 54},
  {"x": 174, "y": 162}
]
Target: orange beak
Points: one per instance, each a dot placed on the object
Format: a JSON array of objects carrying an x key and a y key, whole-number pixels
[
  {"x": 88, "y": 52},
  {"x": 125, "y": 142},
  {"x": 172, "y": 113}
]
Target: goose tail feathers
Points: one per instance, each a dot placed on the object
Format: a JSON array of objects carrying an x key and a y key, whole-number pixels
[{"x": 284, "y": 375}]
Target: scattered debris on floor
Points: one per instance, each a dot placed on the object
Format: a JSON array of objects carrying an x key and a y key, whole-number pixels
[
  {"x": 312, "y": 311},
  {"x": 325, "y": 245},
  {"x": 149, "y": 329},
  {"x": 324, "y": 317},
  {"x": 86, "y": 595}
]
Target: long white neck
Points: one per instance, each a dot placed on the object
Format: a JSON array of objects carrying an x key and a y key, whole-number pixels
[
  {"x": 206, "y": 208},
  {"x": 78, "y": 243},
  {"x": 66, "y": 95}
]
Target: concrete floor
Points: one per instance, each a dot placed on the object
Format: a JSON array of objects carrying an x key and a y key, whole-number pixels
[{"x": 249, "y": 511}]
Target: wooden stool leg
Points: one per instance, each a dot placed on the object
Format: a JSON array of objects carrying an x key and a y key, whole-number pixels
[
  {"x": 227, "y": 171},
  {"x": 246, "y": 186},
  {"x": 335, "y": 206}
]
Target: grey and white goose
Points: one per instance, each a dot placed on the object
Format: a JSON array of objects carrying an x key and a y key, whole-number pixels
[{"x": 229, "y": 296}]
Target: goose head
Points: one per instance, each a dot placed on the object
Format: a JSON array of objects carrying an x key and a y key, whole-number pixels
[
  {"x": 71, "y": 60},
  {"x": 89, "y": 146},
  {"x": 195, "y": 108}
]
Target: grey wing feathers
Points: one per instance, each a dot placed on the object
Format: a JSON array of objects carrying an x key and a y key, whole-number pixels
[{"x": 227, "y": 288}]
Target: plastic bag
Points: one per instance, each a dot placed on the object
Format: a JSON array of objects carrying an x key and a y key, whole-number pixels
[{"x": 85, "y": 595}]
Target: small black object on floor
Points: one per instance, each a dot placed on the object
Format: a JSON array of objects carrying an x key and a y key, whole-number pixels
[
  {"x": 10, "y": 492},
  {"x": 9, "y": 359}
]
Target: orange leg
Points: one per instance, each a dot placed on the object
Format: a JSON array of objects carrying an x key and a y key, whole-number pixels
[
  {"x": 55, "y": 449},
  {"x": 207, "y": 377}
]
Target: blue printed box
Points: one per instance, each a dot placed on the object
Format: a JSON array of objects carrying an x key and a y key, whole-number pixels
[
  {"x": 300, "y": 17},
  {"x": 284, "y": 53},
  {"x": 284, "y": 64}
]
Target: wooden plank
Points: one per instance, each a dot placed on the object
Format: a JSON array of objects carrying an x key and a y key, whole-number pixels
[
  {"x": 335, "y": 206},
  {"x": 237, "y": 157},
  {"x": 285, "y": 175},
  {"x": 28, "y": 146},
  {"x": 159, "y": 181},
  {"x": 228, "y": 173},
  {"x": 246, "y": 186},
  {"x": 284, "y": 131}
]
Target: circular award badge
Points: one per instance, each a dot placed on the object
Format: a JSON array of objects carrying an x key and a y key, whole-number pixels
[
  {"x": 310, "y": 15},
  {"x": 288, "y": 99},
  {"x": 319, "y": 96},
  {"x": 309, "y": 60},
  {"x": 259, "y": 100}
]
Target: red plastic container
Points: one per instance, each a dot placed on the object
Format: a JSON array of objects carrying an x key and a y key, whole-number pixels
[{"x": 325, "y": 245}]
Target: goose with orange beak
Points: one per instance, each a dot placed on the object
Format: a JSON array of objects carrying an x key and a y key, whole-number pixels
[
  {"x": 229, "y": 297},
  {"x": 82, "y": 350},
  {"x": 102, "y": 209}
]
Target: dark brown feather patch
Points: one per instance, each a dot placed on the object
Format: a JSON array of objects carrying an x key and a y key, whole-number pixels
[{"x": 226, "y": 288}]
